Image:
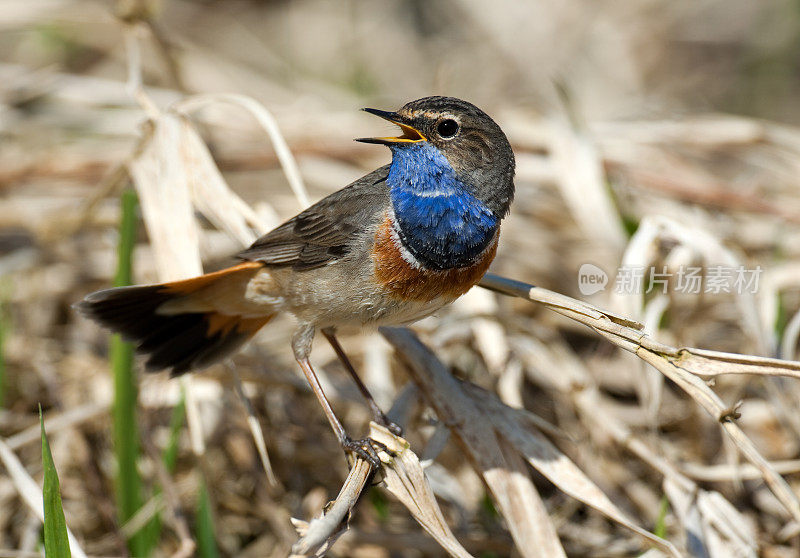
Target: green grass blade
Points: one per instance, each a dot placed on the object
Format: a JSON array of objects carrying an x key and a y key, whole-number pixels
[
  {"x": 5, "y": 331},
  {"x": 56, "y": 542},
  {"x": 125, "y": 425},
  {"x": 169, "y": 457},
  {"x": 127, "y": 239},
  {"x": 206, "y": 540},
  {"x": 175, "y": 425},
  {"x": 660, "y": 529},
  {"x": 3, "y": 327}
]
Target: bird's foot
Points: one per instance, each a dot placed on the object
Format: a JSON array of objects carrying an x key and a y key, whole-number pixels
[{"x": 367, "y": 449}]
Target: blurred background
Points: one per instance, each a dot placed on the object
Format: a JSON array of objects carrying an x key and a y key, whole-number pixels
[{"x": 655, "y": 133}]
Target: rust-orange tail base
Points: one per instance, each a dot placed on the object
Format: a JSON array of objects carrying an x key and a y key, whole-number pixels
[{"x": 178, "y": 341}]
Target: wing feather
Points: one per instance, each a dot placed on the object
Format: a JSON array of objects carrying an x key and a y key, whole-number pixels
[{"x": 327, "y": 230}]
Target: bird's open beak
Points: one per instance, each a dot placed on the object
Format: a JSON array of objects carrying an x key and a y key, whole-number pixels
[{"x": 410, "y": 134}]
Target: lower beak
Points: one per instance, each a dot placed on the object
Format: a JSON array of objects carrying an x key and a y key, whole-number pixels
[{"x": 410, "y": 134}]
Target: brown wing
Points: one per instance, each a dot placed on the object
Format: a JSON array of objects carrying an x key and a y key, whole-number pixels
[{"x": 327, "y": 230}]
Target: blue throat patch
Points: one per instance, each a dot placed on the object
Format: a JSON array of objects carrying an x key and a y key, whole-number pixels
[{"x": 437, "y": 218}]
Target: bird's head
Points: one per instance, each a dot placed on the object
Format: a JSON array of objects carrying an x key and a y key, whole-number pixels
[{"x": 471, "y": 142}]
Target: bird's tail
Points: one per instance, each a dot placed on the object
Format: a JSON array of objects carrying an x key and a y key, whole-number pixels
[{"x": 182, "y": 325}]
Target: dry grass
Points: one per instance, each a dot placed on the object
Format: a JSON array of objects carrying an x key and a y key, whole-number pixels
[{"x": 667, "y": 141}]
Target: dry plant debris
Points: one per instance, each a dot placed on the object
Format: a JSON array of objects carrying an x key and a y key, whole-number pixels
[{"x": 670, "y": 428}]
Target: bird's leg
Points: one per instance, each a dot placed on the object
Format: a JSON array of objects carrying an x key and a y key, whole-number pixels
[
  {"x": 379, "y": 416},
  {"x": 364, "y": 448}
]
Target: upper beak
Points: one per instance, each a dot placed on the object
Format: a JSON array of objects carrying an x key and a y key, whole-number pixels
[{"x": 410, "y": 134}]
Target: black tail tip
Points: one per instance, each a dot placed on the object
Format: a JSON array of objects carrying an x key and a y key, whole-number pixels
[{"x": 178, "y": 342}]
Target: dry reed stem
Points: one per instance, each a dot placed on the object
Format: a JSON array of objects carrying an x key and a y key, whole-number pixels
[
  {"x": 502, "y": 470},
  {"x": 727, "y": 472},
  {"x": 175, "y": 174},
  {"x": 760, "y": 193},
  {"x": 255, "y": 430},
  {"x": 682, "y": 365},
  {"x": 57, "y": 422},
  {"x": 267, "y": 121},
  {"x": 581, "y": 180},
  {"x": 319, "y": 534},
  {"x": 162, "y": 185},
  {"x": 171, "y": 502},
  {"x": 404, "y": 477},
  {"x": 568, "y": 375},
  {"x": 494, "y": 437}
]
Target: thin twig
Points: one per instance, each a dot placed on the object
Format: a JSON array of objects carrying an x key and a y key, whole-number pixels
[
  {"x": 60, "y": 421},
  {"x": 255, "y": 429},
  {"x": 320, "y": 533},
  {"x": 268, "y": 122}
]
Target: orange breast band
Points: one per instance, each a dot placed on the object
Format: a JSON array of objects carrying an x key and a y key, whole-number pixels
[{"x": 407, "y": 282}]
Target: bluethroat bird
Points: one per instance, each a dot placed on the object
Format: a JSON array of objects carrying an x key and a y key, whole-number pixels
[{"x": 389, "y": 249}]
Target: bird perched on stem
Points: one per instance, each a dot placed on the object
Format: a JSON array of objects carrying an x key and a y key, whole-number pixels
[{"x": 389, "y": 249}]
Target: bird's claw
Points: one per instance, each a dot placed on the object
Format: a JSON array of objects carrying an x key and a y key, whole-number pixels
[{"x": 367, "y": 449}]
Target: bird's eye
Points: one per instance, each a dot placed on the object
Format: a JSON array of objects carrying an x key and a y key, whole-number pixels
[{"x": 447, "y": 128}]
